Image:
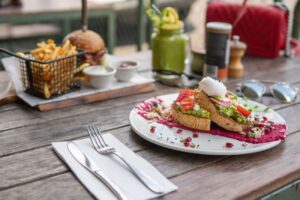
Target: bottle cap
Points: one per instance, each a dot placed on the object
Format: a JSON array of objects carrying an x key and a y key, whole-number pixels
[
  {"x": 219, "y": 27},
  {"x": 237, "y": 44}
]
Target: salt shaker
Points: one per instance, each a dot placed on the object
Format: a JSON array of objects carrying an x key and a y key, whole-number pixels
[{"x": 237, "y": 51}]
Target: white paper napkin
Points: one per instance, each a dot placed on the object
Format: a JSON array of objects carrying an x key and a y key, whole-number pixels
[{"x": 113, "y": 168}]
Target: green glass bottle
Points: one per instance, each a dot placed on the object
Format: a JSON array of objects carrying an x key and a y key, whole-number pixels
[{"x": 170, "y": 49}]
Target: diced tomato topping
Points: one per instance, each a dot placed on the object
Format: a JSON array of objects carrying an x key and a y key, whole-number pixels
[
  {"x": 181, "y": 96},
  {"x": 187, "y": 103},
  {"x": 243, "y": 111},
  {"x": 187, "y": 92},
  {"x": 184, "y": 94}
]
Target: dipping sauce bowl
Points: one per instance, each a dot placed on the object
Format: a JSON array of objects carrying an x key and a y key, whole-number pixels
[
  {"x": 125, "y": 70},
  {"x": 99, "y": 76}
]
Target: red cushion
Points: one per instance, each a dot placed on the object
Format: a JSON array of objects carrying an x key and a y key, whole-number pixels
[{"x": 262, "y": 28}]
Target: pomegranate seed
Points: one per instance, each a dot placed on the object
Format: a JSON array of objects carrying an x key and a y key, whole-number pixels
[
  {"x": 152, "y": 129},
  {"x": 186, "y": 144},
  {"x": 265, "y": 118},
  {"x": 228, "y": 145},
  {"x": 260, "y": 125},
  {"x": 179, "y": 131},
  {"x": 195, "y": 135},
  {"x": 188, "y": 139}
]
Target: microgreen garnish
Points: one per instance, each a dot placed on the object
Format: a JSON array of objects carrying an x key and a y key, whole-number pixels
[
  {"x": 245, "y": 99},
  {"x": 266, "y": 109}
]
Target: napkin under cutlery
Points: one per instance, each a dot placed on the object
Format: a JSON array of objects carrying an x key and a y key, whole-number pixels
[{"x": 116, "y": 170}]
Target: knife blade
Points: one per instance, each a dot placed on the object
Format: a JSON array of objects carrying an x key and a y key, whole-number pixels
[{"x": 85, "y": 161}]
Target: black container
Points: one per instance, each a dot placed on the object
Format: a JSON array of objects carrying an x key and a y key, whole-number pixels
[{"x": 217, "y": 47}]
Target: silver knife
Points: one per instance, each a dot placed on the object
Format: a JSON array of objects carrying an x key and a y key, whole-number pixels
[{"x": 85, "y": 161}]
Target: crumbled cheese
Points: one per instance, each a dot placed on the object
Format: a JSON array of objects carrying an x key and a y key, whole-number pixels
[{"x": 196, "y": 107}]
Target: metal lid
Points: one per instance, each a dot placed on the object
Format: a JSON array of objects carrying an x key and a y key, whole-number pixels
[{"x": 219, "y": 27}]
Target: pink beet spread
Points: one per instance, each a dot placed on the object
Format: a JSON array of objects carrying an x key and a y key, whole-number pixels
[{"x": 277, "y": 131}]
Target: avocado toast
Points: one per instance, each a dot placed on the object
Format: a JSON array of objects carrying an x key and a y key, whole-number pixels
[
  {"x": 224, "y": 110},
  {"x": 188, "y": 113}
]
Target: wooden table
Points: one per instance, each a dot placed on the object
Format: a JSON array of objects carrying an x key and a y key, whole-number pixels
[
  {"x": 37, "y": 11},
  {"x": 29, "y": 169}
]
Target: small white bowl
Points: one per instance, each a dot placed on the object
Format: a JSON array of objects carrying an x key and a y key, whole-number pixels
[
  {"x": 99, "y": 76},
  {"x": 125, "y": 73}
]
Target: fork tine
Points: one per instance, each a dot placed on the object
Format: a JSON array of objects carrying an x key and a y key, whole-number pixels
[
  {"x": 99, "y": 135},
  {"x": 94, "y": 142},
  {"x": 95, "y": 133}
]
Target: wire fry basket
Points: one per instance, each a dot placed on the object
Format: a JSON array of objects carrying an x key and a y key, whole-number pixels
[{"x": 52, "y": 78}]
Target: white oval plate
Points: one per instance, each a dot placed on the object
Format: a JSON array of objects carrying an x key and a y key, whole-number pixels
[{"x": 206, "y": 144}]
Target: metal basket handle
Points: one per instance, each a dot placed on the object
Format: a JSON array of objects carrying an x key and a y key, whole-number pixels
[{"x": 11, "y": 53}]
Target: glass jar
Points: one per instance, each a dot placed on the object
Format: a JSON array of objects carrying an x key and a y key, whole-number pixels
[{"x": 170, "y": 50}]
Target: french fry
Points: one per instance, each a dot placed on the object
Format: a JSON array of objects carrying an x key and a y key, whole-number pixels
[
  {"x": 47, "y": 93},
  {"x": 81, "y": 67}
]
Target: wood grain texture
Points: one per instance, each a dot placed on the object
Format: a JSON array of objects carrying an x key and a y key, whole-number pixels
[
  {"x": 26, "y": 134},
  {"x": 242, "y": 177},
  {"x": 64, "y": 186},
  {"x": 24, "y": 115},
  {"x": 46, "y": 163},
  {"x": 43, "y": 162},
  {"x": 42, "y": 133},
  {"x": 162, "y": 158},
  {"x": 107, "y": 95}
]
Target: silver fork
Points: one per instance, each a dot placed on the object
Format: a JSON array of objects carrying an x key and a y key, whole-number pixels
[{"x": 103, "y": 148}]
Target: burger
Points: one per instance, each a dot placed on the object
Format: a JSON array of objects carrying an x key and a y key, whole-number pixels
[{"x": 91, "y": 42}]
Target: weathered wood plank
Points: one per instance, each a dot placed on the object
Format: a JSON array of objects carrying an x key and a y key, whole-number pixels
[
  {"x": 107, "y": 95},
  {"x": 41, "y": 134},
  {"x": 64, "y": 186},
  {"x": 194, "y": 174},
  {"x": 24, "y": 116},
  {"x": 43, "y": 162},
  {"x": 33, "y": 130},
  {"x": 46, "y": 163},
  {"x": 162, "y": 158},
  {"x": 242, "y": 177},
  {"x": 9, "y": 107}
]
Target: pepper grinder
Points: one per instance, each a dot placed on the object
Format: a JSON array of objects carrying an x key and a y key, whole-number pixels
[{"x": 237, "y": 51}]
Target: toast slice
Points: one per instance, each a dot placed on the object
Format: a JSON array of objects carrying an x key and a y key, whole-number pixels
[
  {"x": 225, "y": 122},
  {"x": 190, "y": 121}
]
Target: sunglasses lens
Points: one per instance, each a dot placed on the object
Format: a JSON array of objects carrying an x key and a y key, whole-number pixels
[
  {"x": 253, "y": 89},
  {"x": 284, "y": 92}
]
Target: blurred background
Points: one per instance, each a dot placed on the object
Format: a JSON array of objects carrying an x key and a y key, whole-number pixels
[{"x": 122, "y": 23}]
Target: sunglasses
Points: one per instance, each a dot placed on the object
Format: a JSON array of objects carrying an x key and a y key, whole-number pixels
[{"x": 254, "y": 89}]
